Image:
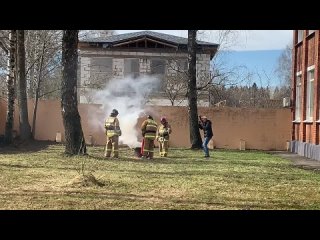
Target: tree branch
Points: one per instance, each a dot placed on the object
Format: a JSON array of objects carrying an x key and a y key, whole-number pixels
[{"x": 4, "y": 47}]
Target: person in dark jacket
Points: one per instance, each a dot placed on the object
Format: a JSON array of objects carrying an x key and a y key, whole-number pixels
[{"x": 206, "y": 126}]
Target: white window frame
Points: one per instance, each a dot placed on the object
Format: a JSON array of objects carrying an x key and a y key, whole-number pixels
[
  {"x": 298, "y": 98},
  {"x": 310, "y": 99},
  {"x": 311, "y": 31},
  {"x": 300, "y": 36}
]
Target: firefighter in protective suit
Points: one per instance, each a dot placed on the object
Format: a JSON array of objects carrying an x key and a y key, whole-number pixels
[
  {"x": 163, "y": 137},
  {"x": 113, "y": 132},
  {"x": 149, "y": 131}
]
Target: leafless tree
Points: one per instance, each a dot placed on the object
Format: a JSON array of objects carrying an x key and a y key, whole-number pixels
[
  {"x": 11, "y": 86},
  {"x": 75, "y": 142},
  {"x": 176, "y": 88},
  {"x": 195, "y": 137},
  {"x": 283, "y": 70},
  {"x": 4, "y": 47},
  {"x": 25, "y": 129},
  {"x": 43, "y": 59},
  {"x": 176, "y": 81},
  {"x": 284, "y": 66},
  {"x": 220, "y": 74}
]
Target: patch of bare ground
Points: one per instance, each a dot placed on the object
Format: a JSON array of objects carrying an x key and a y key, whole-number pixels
[{"x": 85, "y": 180}]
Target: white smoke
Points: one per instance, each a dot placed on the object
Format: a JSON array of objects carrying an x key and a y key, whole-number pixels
[{"x": 128, "y": 96}]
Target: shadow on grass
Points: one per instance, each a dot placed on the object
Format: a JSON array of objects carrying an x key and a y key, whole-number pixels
[
  {"x": 88, "y": 200},
  {"x": 157, "y": 160},
  {"x": 26, "y": 147},
  {"x": 12, "y": 166}
]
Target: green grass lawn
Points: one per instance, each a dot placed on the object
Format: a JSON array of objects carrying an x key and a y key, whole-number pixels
[{"x": 43, "y": 178}]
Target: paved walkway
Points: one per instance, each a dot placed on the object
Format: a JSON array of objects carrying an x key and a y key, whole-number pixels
[{"x": 299, "y": 161}]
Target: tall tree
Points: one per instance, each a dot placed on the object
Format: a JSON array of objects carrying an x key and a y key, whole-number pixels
[
  {"x": 284, "y": 66},
  {"x": 37, "y": 90},
  {"x": 10, "y": 87},
  {"x": 195, "y": 137},
  {"x": 43, "y": 57},
  {"x": 283, "y": 71},
  {"x": 75, "y": 142},
  {"x": 25, "y": 129}
]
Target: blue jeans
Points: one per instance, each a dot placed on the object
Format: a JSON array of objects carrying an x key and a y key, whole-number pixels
[{"x": 205, "y": 146}]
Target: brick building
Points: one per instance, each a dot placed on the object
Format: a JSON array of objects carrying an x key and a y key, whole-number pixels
[
  {"x": 137, "y": 54},
  {"x": 305, "y": 94}
]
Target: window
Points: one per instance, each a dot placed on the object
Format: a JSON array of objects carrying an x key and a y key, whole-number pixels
[
  {"x": 183, "y": 65},
  {"x": 102, "y": 64},
  {"x": 310, "y": 93},
  {"x": 131, "y": 67},
  {"x": 158, "y": 69},
  {"x": 298, "y": 97},
  {"x": 311, "y": 31},
  {"x": 100, "y": 71},
  {"x": 300, "y": 35}
]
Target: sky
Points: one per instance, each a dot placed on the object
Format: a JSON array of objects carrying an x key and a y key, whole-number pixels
[{"x": 258, "y": 50}]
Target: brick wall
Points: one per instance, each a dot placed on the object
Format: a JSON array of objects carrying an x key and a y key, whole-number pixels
[{"x": 306, "y": 55}]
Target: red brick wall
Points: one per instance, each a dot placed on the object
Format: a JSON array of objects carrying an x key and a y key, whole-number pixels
[{"x": 305, "y": 54}]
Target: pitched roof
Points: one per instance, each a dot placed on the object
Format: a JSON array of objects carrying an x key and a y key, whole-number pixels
[{"x": 156, "y": 35}]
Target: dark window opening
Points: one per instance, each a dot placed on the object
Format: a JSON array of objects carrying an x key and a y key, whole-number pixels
[
  {"x": 158, "y": 69},
  {"x": 131, "y": 67}
]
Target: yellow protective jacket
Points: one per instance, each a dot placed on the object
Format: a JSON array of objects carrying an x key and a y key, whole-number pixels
[
  {"x": 112, "y": 127},
  {"x": 149, "y": 129},
  {"x": 163, "y": 132}
]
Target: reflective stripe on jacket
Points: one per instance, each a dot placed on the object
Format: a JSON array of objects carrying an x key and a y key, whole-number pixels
[
  {"x": 150, "y": 129},
  {"x": 163, "y": 132},
  {"x": 112, "y": 127}
]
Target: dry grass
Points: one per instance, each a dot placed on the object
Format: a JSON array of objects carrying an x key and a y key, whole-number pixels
[
  {"x": 41, "y": 177},
  {"x": 85, "y": 180}
]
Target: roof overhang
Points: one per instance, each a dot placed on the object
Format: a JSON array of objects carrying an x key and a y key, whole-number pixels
[{"x": 205, "y": 48}]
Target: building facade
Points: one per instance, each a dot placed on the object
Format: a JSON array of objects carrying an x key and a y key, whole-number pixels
[
  {"x": 140, "y": 54},
  {"x": 305, "y": 94}
]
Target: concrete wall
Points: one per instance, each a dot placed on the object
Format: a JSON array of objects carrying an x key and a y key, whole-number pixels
[
  {"x": 265, "y": 129},
  {"x": 305, "y": 149}
]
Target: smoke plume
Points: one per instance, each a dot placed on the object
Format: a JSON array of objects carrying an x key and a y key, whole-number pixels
[{"x": 128, "y": 96}]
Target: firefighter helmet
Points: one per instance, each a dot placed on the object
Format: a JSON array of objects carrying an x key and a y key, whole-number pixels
[{"x": 114, "y": 112}]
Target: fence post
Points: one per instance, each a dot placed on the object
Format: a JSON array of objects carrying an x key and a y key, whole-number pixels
[{"x": 242, "y": 144}]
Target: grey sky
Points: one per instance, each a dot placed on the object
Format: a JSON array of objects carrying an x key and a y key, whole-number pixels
[{"x": 245, "y": 40}]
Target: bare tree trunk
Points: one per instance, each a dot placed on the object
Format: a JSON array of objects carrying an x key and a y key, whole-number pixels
[
  {"x": 37, "y": 92},
  {"x": 10, "y": 86},
  {"x": 75, "y": 143},
  {"x": 25, "y": 129},
  {"x": 33, "y": 61},
  {"x": 195, "y": 137}
]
